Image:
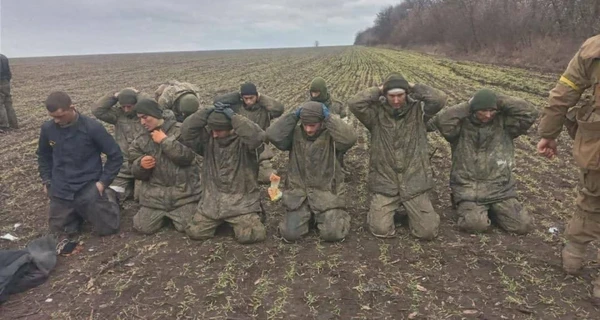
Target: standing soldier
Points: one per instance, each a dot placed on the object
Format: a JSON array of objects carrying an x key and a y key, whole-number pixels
[
  {"x": 400, "y": 173},
  {"x": 261, "y": 109},
  {"x": 180, "y": 97},
  {"x": 70, "y": 165},
  {"x": 8, "y": 117},
  {"x": 117, "y": 109},
  {"x": 170, "y": 177},
  {"x": 318, "y": 92},
  {"x": 230, "y": 145},
  {"x": 315, "y": 182},
  {"x": 481, "y": 134},
  {"x": 582, "y": 73}
]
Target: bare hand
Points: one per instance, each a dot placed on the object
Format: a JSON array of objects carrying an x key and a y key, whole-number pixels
[
  {"x": 148, "y": 162},
  {"x": 46, "y": 189},
  {"x": 158, "y": 135},
  {"x": 411, "y": 85},
  {"x": 381, "y": 88},
  {"x": 547, "y": 148},
  {"x": 100, "y": 187}
]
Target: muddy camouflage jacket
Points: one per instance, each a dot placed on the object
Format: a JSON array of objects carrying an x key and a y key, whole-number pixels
[
  {"x": 314, "y": 171},
  {"x": 168, "y": 97},
  {"x": 399, "y": 155},
  {"x": 265, "y": 109},
  {"x": 127, "y": 126},
  {"x": 230, "y": 170},
  {"x": 175, "y": 180},
  {"x": 483, "y": 155}
]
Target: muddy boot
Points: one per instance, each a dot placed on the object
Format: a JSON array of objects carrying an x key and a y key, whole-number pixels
[{"x": 572, "y": 257}]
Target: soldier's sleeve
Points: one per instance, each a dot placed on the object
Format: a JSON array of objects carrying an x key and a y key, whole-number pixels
[
  {"x": 364, "y": 106},
  {"x": 281, "y": 132},
  {"x": 179, "y": 153},
  {"x": 448, "y": 121},
  {"x": 44, "y": 157},
  {"x": 250, "y": 133},
  {"x": 567, "y": 92},
  {"x": 135, "y": 159},
  {"x": 519, "y": 114},
  {"x": 433, "y": 99},
  {"x": 108, "y": 146},
  {"x": 193, "y": 130},
  {"x": 342, "y": 133},
  {"x": 274, "y": 107},
  {"x": 104, "y": 109}
]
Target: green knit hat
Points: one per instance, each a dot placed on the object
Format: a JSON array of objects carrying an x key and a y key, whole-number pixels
[
  {"x": 127, "y": 97},
  {"x": 484, "y": 99},
  {"x": 395, "y": 81},
  {"x": 188, "y": 103},
  {"x": 148, "y": 107},
  {"x": 218, "y": 121},
  {"x": 319, "y": 84}
]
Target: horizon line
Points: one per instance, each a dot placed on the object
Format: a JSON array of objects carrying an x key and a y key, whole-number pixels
[{"x": 185, "y": 51}]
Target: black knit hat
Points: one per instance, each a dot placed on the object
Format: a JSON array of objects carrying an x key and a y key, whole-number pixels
[
  {"x": 148, "y": 107},
  {"x": 248, "y": 89}
]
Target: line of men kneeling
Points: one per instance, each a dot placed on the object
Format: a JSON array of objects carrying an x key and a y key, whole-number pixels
[{"x": 158, "y": 142}]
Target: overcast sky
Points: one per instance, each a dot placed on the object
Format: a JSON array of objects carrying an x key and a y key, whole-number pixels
[{"x": 68, "y": 27}]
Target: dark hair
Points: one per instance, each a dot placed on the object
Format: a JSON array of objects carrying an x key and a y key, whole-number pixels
[{"x": 58, "y": 100}]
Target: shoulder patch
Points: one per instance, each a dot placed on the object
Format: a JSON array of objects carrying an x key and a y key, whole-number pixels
[{"x": 591, "y": 48}]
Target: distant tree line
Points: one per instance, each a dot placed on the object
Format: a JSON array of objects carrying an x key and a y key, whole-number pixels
[{"x": 495, "y": 26}]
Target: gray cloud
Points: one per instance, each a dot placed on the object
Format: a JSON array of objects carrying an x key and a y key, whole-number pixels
[{"x": 64, "y": 27}]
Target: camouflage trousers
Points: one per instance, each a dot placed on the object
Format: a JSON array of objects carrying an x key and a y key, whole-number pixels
[
  {"x": 584, "y": 226},
  {"x": 8, "y": 117},
  {"x": 265, "y": 168},
  {"x": 423, "y": 221},
  {"x": 102, "y": 211},
  {"x": 248, "y": 228},
  {"x": 151, "y": 220},
  {"x": 508, "y": 214},
  {"x": 333, "y": 225},
  {"x": 124, "y": 187}
]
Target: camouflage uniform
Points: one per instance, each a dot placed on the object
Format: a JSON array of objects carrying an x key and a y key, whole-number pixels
[
  {"x": 265, "y": 109},
  {"x": 229, "y": 174},
  {"x": 400, "y": 170},
  {"x": 8, "y": 117},
  {"x": 172, "y": 188},
  {"x": 315, "y": 181},
  {"x": 582, "y": 73},
  {"x": 167, "y": 96},
  {"x": 483, "y": 156},
  {"x": 127, "y": 127}
]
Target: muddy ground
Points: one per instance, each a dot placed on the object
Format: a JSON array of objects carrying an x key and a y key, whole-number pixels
[{"x": 167, "y": 276}]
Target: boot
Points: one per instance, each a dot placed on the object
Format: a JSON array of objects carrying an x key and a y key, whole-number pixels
[{"x": 573, "y": 256}]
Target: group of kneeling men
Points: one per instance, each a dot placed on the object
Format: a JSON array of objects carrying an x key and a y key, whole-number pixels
[{"x": 200, "y": 167}]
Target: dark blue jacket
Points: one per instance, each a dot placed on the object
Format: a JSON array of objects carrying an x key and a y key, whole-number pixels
[
  {"x": 69, "y": 158},
  {"x": 5, "y": 73}
]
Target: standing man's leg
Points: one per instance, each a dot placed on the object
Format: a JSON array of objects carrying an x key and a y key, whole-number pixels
[
  {"x": 584, "y": 226},
  {"x": 423, "y": 221},
  {"x": 11, "y": 116}
]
